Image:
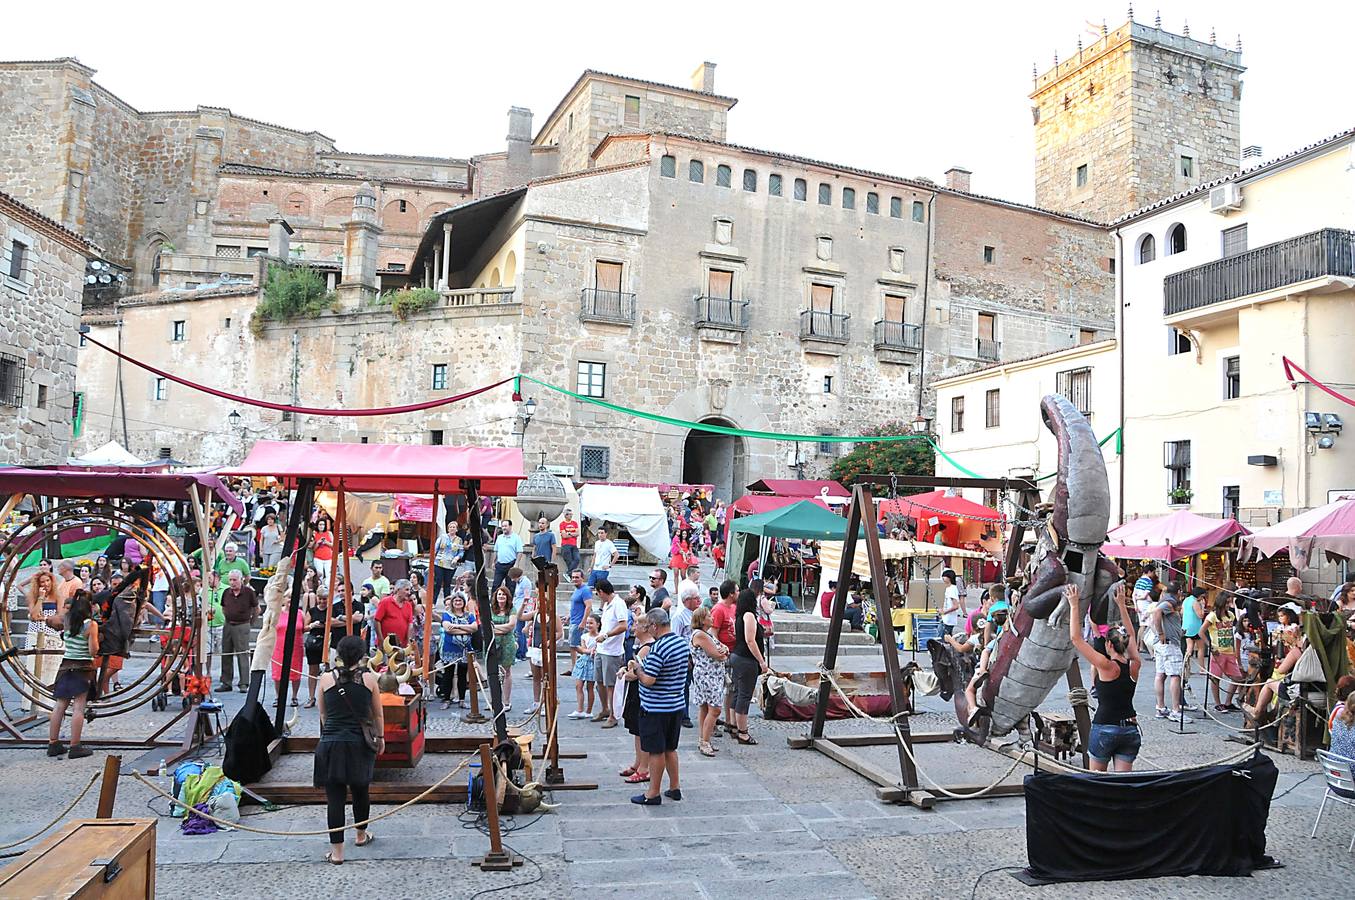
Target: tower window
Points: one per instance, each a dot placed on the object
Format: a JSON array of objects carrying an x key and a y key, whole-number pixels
[
  {"x": 667, "y": 166},
  {"x": 403, "y": 208},
  {"x": 632, "y": 115},
  {"x": 1187, "y": 167},
  {"x": 896, "y": 207},
  {"x": 1081, "y": 177},
  {"x": 873, "y": 203},
  {"x": 828, "y": 384},
  {"x": 989, "y": 255},
  {"x": 919, "y": 211},
  {"x": 801, "y": 189},
  {"x": 774, "y": 185},
  {"x": 849, "y": 198},
  {"x": 825, "y": 195},
  {"x": 750, "y": 180},
  {"x": 696, "y": 171},
  {"x": 1147, "y": 249},
  {"x": 434, "y": 437},
  {"x": 723, "y": 176}
]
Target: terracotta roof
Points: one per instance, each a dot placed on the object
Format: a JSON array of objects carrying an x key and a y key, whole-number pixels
[
  {"x": 1107, "y": 343},
  {"x": 917, "y": 183},
  {"x": 269, "y": 171},
  {"x": 48, "y": 226},
  {"x": 594, "y": 73},
  {"x": 1334, "y": 139},
  {"x": 404, "y": 156},
  {"x": 232, "y": 289},
  {"x": 586, "y": 173}
]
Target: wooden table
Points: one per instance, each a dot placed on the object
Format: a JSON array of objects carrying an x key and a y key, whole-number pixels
[{"x": 111, "y": 859}]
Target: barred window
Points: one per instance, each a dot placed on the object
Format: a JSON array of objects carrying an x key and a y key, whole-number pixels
[
  {"x": 919, "y": 211},
  {"x": 723, "y": 174},
  {"x": 595, "y": 462},
  {"x": 849, "y": 198},
  {"x": 750, "y": 180},
  {"x": 11, "y": 380},
  {"x": 956, "y": 415},
  {"x": 227, "y": 252},
  {"x": 1076, "y": 386},
  {"x": 825, "y": 195},
  {"x": 896, "y": 207},
  {"x": 774, "y": 185},
  {"x": 992, "y": 408},
  {"x": 827, "y": 448},
  {"x": 801, "y": 189},
  {"x": 873, "y": 203}
]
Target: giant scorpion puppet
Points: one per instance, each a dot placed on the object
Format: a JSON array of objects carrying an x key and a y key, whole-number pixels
[{"x": 1035, "y": 651}]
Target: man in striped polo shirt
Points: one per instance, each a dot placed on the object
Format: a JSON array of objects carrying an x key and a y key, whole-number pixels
[{"x": 661, "y": 679}]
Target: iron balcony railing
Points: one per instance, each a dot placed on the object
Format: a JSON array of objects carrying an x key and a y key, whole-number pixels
[
  {"x": 1330, "y": 251},
  {"x": 988, "y": 349},
  {"x": 607, "y": 306},
  {"x": 722, "y": 312},
  {"x": 823, "y": 326},
  {"x": 897, "y": 335}
]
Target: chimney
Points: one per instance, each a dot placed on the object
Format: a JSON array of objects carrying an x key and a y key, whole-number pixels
[
  {"x": 957, "y": 178},
  {"x": 703, "y": 79},
  {"x": 519, "y": 146},
  {"x": 279, "y": 237},
  {"x": 360, "y": 237},
  {"x": 1251, "y": 154}
]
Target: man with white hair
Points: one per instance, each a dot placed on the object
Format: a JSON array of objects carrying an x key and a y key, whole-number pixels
[
  {"x": 688, "y": 601},
  {"x": 229, "y": 561},
  {"x": 240, "y": 605}
]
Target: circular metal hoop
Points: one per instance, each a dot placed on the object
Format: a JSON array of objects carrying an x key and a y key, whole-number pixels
[{"x": 181, "y": 607}]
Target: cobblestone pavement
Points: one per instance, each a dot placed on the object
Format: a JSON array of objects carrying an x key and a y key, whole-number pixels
[{"x": 763, "y": 821}]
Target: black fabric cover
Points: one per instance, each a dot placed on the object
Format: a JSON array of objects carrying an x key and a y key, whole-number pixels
[
  {"x": 1148, "y": 824},
  {"x": 247, "y": 740}
]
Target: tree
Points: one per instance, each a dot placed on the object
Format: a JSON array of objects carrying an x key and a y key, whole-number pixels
[{"x": 910, "y": 457}]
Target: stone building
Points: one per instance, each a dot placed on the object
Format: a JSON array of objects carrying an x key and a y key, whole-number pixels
[
  {"x": 1138, "y": 115},
  {"x": 42, "y": 276}
]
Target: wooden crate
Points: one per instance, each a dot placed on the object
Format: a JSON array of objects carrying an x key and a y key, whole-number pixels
[
  {"x": 110, "y": 859},
  {"x": 405, "y": 720}
]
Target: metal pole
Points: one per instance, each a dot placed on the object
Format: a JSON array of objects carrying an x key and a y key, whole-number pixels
[{"x": 472, "y": 491}]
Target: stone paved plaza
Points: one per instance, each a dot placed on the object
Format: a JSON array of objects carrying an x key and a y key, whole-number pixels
[{"x": 763, "y": 821}]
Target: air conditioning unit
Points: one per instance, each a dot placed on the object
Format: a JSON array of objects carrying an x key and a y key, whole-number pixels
[{"x": 1225, "y": 198}]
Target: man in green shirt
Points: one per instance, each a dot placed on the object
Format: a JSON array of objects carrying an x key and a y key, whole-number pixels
[
  {"x": 229, "y": 561},
  {"x": 216, "y": 617},
  {"x": 381, "y": 585}
]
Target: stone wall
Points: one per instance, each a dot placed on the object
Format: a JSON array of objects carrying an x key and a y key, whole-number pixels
[{"x": 39, "y": 314}]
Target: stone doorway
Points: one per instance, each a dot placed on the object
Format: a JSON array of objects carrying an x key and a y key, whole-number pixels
[{"x": 717, "y": 459}]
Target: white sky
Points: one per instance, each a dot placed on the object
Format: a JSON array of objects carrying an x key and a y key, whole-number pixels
[{"x": 908, "y": 89}]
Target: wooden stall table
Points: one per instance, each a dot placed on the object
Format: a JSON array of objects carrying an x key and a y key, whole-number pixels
[
  {"x": 406, "y": 719},
  {"x": 112, "y": 859}
]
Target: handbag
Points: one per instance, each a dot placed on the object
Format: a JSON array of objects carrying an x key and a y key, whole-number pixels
[
  {"x": 1309, "y": 667},
  {"x": 370, "y": 736}
]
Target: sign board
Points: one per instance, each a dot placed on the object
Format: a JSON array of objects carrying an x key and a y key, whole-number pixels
[
  {"x": 1272, "y": 498},
  {"x": 567, "y": 471}
]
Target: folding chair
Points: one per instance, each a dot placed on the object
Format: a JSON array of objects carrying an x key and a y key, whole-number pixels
[{"x": 1340, "y": 786}]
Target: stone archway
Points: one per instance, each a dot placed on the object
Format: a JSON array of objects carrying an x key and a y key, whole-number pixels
[{"x": 717, "y": 459}]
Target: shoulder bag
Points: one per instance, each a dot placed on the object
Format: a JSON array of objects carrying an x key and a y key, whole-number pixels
[
  {"x": 1309, "y": 667},
  {"x": 370, "y": 736}
]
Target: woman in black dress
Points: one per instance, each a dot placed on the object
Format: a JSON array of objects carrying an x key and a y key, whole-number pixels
[
  {"x": 343, "y": 760},
  {"x": 317, "y": 610}
]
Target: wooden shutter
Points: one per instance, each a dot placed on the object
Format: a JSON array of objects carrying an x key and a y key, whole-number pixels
[
  {"x": 986, "y": 323},
  {"x": 895, "y": 306},
  {"x": 608, "y": 276},
  {"x": 821, "y": 297},
  {"x": 720, "y": 284}
]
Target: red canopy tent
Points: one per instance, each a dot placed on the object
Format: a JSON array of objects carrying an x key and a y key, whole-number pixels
[
  {"x": 753, "y": 504},
  {"x": 1176, "y": 536},
  {"x": 385, "y": 468},
  {"x": 792, "y": 487},
  {"x": 136, "y": 484},
  {"x": 964, "y": 519}
]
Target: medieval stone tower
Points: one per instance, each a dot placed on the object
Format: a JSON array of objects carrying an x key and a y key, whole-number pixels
[{"x": 1137, "y": 116}]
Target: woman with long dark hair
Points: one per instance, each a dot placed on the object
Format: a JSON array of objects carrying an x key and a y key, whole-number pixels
[
  {"x": 75, "y": 676},
  {"x": 748, "y": 660},
  {"x": 317, "y": 611},
  {"x": 1115, "y": 730},
  {"x": 344, "y": 761},
  {"x": 505, "y": 642}
]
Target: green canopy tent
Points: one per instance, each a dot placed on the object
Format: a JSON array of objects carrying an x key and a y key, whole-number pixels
[{"x": 805, "y": 520}]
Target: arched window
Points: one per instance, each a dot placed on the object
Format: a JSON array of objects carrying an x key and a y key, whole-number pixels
[
  {"x": 749, "y": 180},
  {"x": 696, "y": 171},
  {"x": 723, "y": 174},
  {"x": 1176, "y": 239},
  {"x": 495, "y": 280},
  {"x": 667, "y": 166},
  {"x": 1147, "y": 249}
]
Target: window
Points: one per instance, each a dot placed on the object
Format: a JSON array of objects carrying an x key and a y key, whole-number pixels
[
  {"x": 286, "y": 415},
  {"x": 992, "y": 409},
  {"x": 178, "y": 331},
  {"x": 404, "y": 207},
  {"x": 919, "y": 211},
  {"x": 895, "y": 306},
  {"x": 720, "y": 284},
  {"x": 42, "y": 396},
  {"x": 668, "y": 166},
  {"x": 826, "y": 448},
  {"x": 849, "y": 198},
  {"x": 1147, "y": 249},
  {"x": 363, "y": 439},
  {"x": 956, "y": 415},
  {"x": 439, "y": 376},
  {"x": 749, "y": 180},
  {"x": 1086, "y": 336},
  {"x": 82, "y": 339},
  {"x": 989, "y": 255},
  {"x": 1234, "y": 240},
  {"x": 1110, "y": 264},
  {"x": 607, "y": 276},
  {"x": 252, "y": 252},
  {"x": 987, "y": 327},
  {"x": 821, "y": 297},
  {"x": 1080, "y": 178},
  {"x": 11, "y": 380},
  {"x": 1232, "y": 377},
  {"x": 166, "y": 453},
  {"x": 774, "y": 185},
  {"x": 592, "y": 380},
  {"x": 228, "y": 321},
  {"x": 896, "y": 207},
  {"x": 991, "y": 497},
  {"x": 1232, "y": 500},
  {"x": 696, "y": 171},
  {"x": 1187, "y": 167},
  {"x": 1076, "y": 386},
  {"x": 227, "y": 252},
  {"x": 828, "y": 384},
  {"x": 435, "y": 437},
  {"x": 873, "y": 203},
  {"x": 595, "y": 462},
  {"x": 395, "y": 266},
  {"x": 1177, "y": 342},
  {"x": 18, "y": 259},
  {"x": 801, "y": 189},
  {"x": 723, "y": 174},
  {"x": 160, "y": 389},
  {"x": 632, "y": 115},
  {"x": 825, "y": 195},
  {"x": 1176, "y": 460},
  {"x": 1176, "y": 239}
]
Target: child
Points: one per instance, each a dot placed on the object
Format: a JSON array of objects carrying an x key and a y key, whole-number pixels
[
  {"x": 718, "y": 554},
  {"x": 584, "y": 673},
  {"x": 997, "y": 620},
  {"x": 75, "y": 676},
  {"x": 1223, "y": 663}
]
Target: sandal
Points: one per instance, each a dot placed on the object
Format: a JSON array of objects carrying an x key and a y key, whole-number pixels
[
  {"x": 370, "y": 837},
  {"x": 744, "y": 737},
  {"x": 706, "y": 749},
  {"x": 329, "y": 858},
  {"x": 638, "y": 778},
  {"x": 627, "y": 772},
  {"x": 310, "y": 704}
]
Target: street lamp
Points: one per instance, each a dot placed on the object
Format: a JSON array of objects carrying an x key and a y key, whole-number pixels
[
  {"x": 920, "y": 425},
  {"x": 528, "y": 410},
  {"x": 234, "y": 418}
]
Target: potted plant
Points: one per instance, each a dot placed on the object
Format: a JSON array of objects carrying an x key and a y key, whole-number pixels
[{"x": 1180, "y": 496}]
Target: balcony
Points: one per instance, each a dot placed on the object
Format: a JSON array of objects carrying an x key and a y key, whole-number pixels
[
  {"x": 479, "y": 297},
  {"x": 1329, "y": 253},
  {"x": 897, "y": 336},
  {"x": 611, "y": 307},
  {"x": 823, "y": 332},
  {"x": 721, "y": 319},
  {"x": 991, "y": 350}
]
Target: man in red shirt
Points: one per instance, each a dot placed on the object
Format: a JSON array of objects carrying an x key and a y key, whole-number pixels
[
  {"x": 722, "y": 618},
  {"x": 395, "y": 615},
  {"x": 569, "y": 541}
]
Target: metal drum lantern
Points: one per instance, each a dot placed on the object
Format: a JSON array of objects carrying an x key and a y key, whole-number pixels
[{"x": 540, "y": 494}]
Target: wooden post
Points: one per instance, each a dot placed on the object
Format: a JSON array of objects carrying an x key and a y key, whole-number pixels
[
  {"x": 341, "y": 549},
  {"x": 473, "y": 717},
  {"x": 295, "y": 543},
  {"x": 844, "y": 577},
  {"x": 496, "y": 860},
  {"x": 428, "y": 599},
  {"x": 547, "y": 582},
  {"x": 108, "y": 788}
]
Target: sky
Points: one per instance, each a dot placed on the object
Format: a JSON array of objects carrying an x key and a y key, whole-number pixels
[{"x": 907, "y": 89}]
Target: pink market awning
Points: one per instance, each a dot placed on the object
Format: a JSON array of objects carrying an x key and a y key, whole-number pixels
[
  {"x": 121, "y": 485},
  {"x": 752, "y": 504},
  {"x": 794, "y": 487},
  {"x": 385, "y": 468},
  {"x": 1328, "y": 529},
  {"x": 1181, "y": 534}
]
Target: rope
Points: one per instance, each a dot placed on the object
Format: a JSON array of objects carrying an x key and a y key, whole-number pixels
[
  {"x": 59, "y": 816},
  {"x": 357, "y": 825},
  {"x": 1079, "y": 697}
]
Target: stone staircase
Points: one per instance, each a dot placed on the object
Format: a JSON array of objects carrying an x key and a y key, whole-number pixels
[{"x": 805, "y": 634}]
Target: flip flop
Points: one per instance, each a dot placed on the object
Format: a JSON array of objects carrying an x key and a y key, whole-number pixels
[
  {"x": 329, "y": 858},
  {"x": 638, "y": 778},
  {"x": 370, "y": 837}
]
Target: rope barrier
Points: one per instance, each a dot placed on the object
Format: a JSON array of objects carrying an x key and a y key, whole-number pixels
[{"x": 61, "y": 815}]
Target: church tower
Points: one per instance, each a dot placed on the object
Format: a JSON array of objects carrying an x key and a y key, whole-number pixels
[{"x": 1135, "y": 117}]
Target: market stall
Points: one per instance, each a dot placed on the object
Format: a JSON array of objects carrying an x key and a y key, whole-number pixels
[
  {"x": 636, "y": 509},
  {"x": 1325, "y": 531},
  {"x": 1203, "y": 548},
  {"x": 752, "y": 538}
]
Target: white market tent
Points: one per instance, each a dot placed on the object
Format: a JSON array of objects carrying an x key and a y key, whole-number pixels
[
  {"x": 110, "y": 454},
  {"x": 638, "y": 509},
  {"x": 830, "y": 557}
]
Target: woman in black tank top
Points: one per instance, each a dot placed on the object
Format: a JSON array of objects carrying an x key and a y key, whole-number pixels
[
  {"x": 1115, "y": 729},
  {"x": 343, "y": 760}
]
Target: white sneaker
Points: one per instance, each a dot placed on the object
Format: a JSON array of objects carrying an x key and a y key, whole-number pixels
[
  {"x": 1182, "y": 718},
  {"x": 578, "y": 714}
]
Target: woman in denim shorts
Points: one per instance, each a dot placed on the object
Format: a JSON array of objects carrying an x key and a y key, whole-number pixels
[{"x": 1115, "y": 729}]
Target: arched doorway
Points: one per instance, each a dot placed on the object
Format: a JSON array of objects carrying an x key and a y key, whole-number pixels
[{"x": 718, "y": 459}]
